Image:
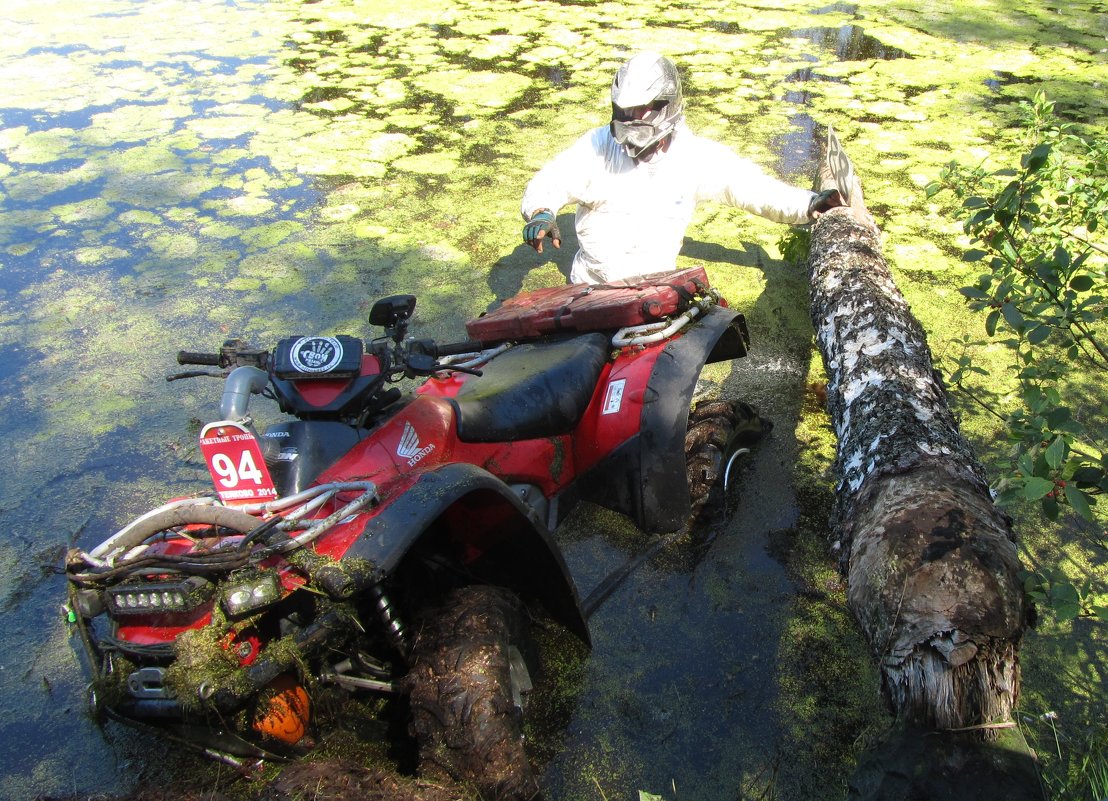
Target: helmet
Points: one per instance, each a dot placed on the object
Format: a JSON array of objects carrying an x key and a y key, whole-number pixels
[{"x": 646, "y": 103}]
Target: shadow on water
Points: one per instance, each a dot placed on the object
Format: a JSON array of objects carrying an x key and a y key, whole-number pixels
[{"x": 911, "y": 764}]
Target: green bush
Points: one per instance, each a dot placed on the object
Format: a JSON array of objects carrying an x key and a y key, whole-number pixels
[{"x": 1038, "y": 233}]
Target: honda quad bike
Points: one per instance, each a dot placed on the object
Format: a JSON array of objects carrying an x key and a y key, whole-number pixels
[{"x": 389, "y": 541}]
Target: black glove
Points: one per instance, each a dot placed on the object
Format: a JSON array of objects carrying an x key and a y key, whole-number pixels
[
  {"x": 824, "y": 201},
  {"x": 542, "y": 225}
]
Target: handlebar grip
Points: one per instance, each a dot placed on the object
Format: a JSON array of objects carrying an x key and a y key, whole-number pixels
[
  {"x": 456, "y": 348},
  {"x": 189, "y": 357}
]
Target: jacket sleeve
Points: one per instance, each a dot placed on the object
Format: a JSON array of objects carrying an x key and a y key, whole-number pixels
[
  {"x": 564, "y": 179},
  {"x": 728, "y": 178}
]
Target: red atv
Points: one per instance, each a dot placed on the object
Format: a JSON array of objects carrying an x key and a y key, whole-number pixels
[{"x": 388, "y": 542}]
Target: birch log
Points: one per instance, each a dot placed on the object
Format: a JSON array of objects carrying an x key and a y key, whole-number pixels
[{"x": 930, "y": 562}]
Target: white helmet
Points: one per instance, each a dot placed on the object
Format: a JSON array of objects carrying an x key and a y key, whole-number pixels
[{"x": 646, "y": 103}]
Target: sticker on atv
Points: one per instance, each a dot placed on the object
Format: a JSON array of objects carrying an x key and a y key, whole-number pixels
[
  {"x": 235, "y": 461},
  {"x": 613, "y": 398}
]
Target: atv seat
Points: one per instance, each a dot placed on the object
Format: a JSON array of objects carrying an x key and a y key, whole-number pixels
[{"x": 537, "y": 389}]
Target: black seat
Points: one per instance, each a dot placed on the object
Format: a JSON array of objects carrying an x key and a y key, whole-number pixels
[{"x": 537, "y": 389}]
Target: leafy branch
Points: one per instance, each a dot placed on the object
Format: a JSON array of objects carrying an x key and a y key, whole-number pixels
[{"x": 1037, "y": 230}]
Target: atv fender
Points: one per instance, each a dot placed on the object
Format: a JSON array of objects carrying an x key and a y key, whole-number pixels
[
  {"x": 645, "y": 478},
  {"x": 522, "y": 549}
]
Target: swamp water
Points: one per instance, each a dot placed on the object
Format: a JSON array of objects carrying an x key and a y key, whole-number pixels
[{"x": 175, "y": 173}]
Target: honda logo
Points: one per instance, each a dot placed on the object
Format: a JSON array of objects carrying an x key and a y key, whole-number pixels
[{"x": 409, "y": 446}]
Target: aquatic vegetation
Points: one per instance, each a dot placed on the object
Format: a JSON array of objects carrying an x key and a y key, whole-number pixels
[{"x": 175, "y": 174}]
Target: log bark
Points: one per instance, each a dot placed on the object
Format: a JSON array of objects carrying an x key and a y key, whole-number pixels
[{"x": 931, "y": 564}]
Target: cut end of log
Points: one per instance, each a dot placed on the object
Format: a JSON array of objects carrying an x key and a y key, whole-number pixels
[{"x": 932, "y": 689}]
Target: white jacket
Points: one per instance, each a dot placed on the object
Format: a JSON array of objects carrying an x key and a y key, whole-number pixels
[{"x": 632, "y": 217}]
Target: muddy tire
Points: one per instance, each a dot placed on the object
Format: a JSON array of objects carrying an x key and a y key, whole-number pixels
[
  {"x": 465, "y": 687},
  {"x": 717, "y": 430}
]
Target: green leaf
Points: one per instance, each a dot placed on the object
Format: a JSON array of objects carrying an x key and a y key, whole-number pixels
[
  {"x": 980, "y": 217},
  {"x": 974, "y": 202},
  {"x": 974, "y": 255},
  {"x": 1066, "y": 610},
  {"x": 1056, "y": 453},
  {"x": 1039, "y": 334},
  {"x": 1062, "y": 590},
  {"x": 1034, "y": 161},
  {"x": 1057, "y": 416},
  {"x": 1050, "y": 508},
  {"x": 645, "y": 796},
  {"x": 1008, "y": 198},
  {"x": 973, "y": 293},
  {"x": 990, "y": 322},
  {"x": 1012, "y": 316},
  {"x": 1082, "y": 283},
  {"x": 1035, "y": 488},
  {"x": 1090, "y": 476},
  {"x": 1080, "y": 502}
]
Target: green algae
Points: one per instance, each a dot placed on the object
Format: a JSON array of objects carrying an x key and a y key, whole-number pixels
[{"x": 276, "y": 168}]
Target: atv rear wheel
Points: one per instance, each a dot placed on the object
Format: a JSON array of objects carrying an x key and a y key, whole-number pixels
[
  {"x": 718, "y": 430},
  {"x": 466, "y": 684}
]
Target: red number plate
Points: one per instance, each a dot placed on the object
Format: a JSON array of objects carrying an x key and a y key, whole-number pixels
[{"x": 235, "y": 461}]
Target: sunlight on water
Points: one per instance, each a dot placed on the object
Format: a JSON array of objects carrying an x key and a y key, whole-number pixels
[{"x": 177, "y": 173}]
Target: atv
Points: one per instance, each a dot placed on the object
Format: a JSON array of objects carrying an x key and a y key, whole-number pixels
[{"x": 394, "y": 534}]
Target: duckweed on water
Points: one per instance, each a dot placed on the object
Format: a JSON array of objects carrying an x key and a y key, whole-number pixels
[{"x": 177, "y": 173}]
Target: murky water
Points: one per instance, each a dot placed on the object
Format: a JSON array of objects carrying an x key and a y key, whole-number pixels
[{"x": 175, "y": 173}]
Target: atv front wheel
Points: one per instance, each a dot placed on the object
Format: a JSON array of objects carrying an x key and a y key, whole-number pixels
[{"x": 466, "y": 686}]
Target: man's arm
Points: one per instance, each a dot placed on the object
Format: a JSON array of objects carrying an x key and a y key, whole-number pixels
[
  {"x": 560, "y": 183},
  {"x": 729, "y": 178}
]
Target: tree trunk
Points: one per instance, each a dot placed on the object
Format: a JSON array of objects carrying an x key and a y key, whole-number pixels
[{"x": 930, "y": 562}]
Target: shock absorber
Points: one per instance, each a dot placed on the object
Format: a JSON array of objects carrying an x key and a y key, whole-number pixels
[{"x": 395, "y": 630}]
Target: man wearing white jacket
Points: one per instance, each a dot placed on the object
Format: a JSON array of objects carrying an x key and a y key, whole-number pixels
[{"x": 637, "y": 181}]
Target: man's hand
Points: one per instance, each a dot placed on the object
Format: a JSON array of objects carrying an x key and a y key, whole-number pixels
[
  {"x": 825, "y": 201},
  {"x": 542, "y": 225}
]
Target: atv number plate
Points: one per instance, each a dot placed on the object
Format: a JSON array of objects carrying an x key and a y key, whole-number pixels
[{"x": 235, "y": 461}]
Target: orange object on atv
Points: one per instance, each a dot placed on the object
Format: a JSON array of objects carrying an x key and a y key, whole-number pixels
[{"x": 283, "y": 711}]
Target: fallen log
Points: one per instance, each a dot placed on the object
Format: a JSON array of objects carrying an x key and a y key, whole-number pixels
[{"x": 931, "y": 564}]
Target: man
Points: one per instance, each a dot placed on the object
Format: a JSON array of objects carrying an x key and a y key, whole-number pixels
[{"x": 637, "y": 181}]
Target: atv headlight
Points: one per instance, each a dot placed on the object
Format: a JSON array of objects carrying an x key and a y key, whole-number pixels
[
  {"x": 157, "y": 597},
  {"x": 242, "y": 597}
]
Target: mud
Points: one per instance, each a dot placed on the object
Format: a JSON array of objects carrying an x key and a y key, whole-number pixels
[{"x": 327, "y": 780}]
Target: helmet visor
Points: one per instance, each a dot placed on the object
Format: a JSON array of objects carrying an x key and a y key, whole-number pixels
[
  {"x": 637, "y": 125},
  {"x": 636, "y": 134}
]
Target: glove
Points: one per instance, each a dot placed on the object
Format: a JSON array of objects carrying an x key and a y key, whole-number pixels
[
  {"x": 542, "y": 225},
  {"x": 824, "y": 201}
]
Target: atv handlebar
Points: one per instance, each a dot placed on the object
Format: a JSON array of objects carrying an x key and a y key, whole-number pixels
[
  {"x": 234, "y": 353},
  {"x": 456, "y": 348},
  {"x": 190, "y": 357}
]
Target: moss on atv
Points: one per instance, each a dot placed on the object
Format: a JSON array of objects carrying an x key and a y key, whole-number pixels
[
  {"x": 339, "y": 578},
  {"x": 202, "y": 663}
]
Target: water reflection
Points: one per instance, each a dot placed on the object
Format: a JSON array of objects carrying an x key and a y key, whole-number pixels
[{"x": 849, "y": 43}]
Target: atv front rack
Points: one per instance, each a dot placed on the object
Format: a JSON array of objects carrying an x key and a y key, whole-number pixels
[{"x": 130, "y": 544}]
